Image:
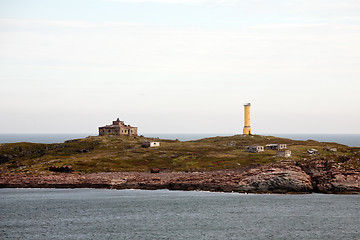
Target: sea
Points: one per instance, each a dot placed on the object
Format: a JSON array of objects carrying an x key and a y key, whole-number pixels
[
  {"x": 164, "y": 214},
  {"x": 352, "y": 140}
]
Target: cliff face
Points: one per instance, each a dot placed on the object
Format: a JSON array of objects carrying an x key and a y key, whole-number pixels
[
  {"x": 329, "y": 176},
  {"x": 313, "y": 176},
  {"x": 277, "y": 179},
  {"x": 265, "y": 179}
]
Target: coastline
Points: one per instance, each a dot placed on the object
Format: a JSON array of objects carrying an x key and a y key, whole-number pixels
[
  {"x": 216, "y": 164},
  {"x": 262, "y": 179}
]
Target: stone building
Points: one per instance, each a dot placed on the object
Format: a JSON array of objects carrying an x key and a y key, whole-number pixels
[
  {"x": 275, "y": 146},
  {"x": 312, "y": 151},
  {"x": 118, "y": 128},
  {"x": 150, "y": 144},
  {"x": 330, "y": 149},
  {"x": 283, "y": 153},
  {"x": 254, "y": 148}
]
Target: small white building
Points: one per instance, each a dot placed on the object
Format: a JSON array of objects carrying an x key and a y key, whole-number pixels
[
  {"x": 154, "y": 144},
  {"x": 254, "y": 148},
  {"x": 151, "y": 144},
  {"x": 330, "y": 149},
  {"x": 275, "y": 146},
  {"x": 283, "y": 153},
  {"x": 312, "y": 151}
]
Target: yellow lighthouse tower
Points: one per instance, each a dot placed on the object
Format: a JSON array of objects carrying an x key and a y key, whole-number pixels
[{"x": 247, "y": 128}]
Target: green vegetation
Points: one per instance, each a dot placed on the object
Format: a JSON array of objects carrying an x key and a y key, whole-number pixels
[{"x": 118, "y": 153}]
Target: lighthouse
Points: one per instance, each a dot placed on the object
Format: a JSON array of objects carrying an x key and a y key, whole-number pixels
[{"x": 247, "y": 128}]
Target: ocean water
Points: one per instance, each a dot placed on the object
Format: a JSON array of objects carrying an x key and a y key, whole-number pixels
[
  {"x": 163, "y": 214},
  {"x": 352, "y": 140},
  {"x": 347, "y": 139},
  {"x": 41, "y": 137}
]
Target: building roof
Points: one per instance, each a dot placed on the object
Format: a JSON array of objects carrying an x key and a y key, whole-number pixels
[{"x": 119, "y": 125}]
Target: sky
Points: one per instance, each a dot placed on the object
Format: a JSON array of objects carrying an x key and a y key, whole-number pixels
[{"x": 180, "y": 66}]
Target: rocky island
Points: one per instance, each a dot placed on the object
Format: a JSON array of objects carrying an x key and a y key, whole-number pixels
[{"x": 210, "y": 164}]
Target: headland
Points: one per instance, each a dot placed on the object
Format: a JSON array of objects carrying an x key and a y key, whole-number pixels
[{"x": 211, "y": 164}]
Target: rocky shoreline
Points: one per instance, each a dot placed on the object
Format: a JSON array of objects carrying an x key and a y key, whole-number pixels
[{"x": 312, "y": 176}]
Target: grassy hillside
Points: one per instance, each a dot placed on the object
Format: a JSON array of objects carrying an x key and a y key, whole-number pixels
[{"x": 117, "y": 153}]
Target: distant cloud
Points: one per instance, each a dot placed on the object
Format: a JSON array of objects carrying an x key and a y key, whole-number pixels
[
  {"x": 10, "y": 22},
  {"x": 194, "y": 67},
  {"x": 126, "y": 47},
  {"x": 167, "y": 1},
  {"x": 304, "y": 3},
  {"x": 333, "y": 8}
]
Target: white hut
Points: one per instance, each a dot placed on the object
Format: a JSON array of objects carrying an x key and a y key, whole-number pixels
[
  {"x": 283, "y": 153},
  {"x": 254, "y": 148},
  {"x": 275, "y": 146},
  {"x": 151, "y": 144}
]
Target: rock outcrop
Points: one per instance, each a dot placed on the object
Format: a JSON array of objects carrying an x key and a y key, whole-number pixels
[
  {"x": 340, "y": 174},
  {"x": 329, "y": 176},
  {"x": 265, "y": 179}
]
